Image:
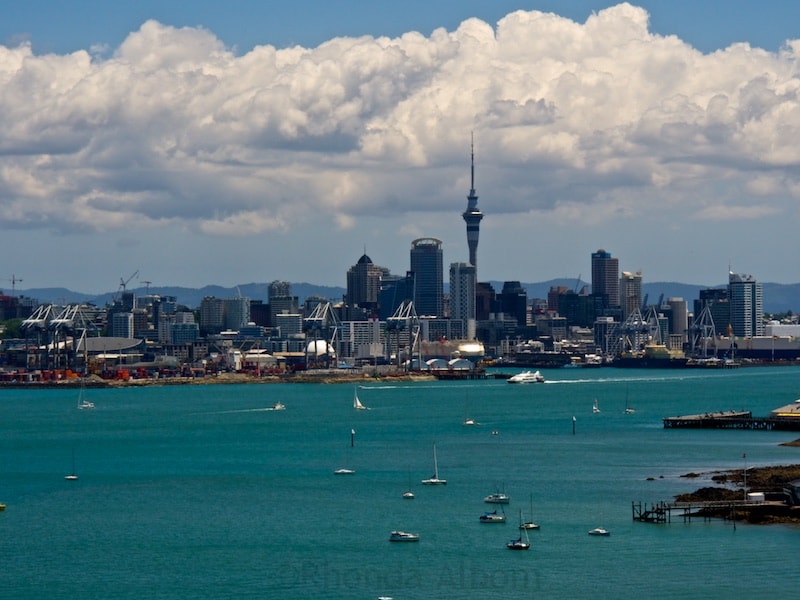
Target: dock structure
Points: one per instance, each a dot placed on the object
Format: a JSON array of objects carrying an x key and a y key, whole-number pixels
[
  {"x": 661, "y": 512},
  {"x": 733, "y": 419}
]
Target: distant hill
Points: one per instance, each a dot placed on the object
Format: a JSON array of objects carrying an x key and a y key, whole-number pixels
[{"x": 778, "y": 297}]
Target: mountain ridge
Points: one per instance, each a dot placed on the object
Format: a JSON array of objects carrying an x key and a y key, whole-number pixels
[{"x": 778, "y": 297}]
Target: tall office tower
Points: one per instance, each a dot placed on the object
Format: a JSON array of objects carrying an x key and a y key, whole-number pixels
[
  {"x": 605, "y": 277},
  {"x": 279, "y": 289},
  {"x": 237, "y": 312},
  {"x": 630, "y": 292},
  {"x": 718, "y": 303},
  {"x": 462, "y": 292},
  {"x": 472, "y": 216},
  {"x": 514, "y": 302},
  {"x": 747, "y": 312},
  {"x": 280, "y": 300},
  {"x": 428, "y": 269},
  {"x": 364, "y": 283}
]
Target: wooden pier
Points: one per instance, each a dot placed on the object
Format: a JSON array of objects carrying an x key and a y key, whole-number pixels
[
  {"x": 661, "y": 512},
  {"x": 732, "y": 419}
]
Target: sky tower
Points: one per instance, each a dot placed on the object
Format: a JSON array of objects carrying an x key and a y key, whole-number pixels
[{"x": 473, "y": 215}]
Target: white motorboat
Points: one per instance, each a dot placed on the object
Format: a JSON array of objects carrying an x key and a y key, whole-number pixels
[
  {"x": 344, "y": 472},
  {"x": 278, "y": 406},
  {"x": 497, "y": 498},
  {"x": 434, "y": 479},
  {"x": 599, "y": 531},
  {"x": 527, "y": 377},
  {"x": 403, "y": 536}
]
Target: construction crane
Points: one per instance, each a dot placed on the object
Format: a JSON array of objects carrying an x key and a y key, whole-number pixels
[
  {"x": 14, "y": 280},
  {"x": 123, "y": 283}
]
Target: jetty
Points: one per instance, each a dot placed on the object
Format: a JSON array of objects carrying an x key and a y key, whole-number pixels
[
  {"x": 733, "y": 419},
  {"x": 661, "y": 512}
]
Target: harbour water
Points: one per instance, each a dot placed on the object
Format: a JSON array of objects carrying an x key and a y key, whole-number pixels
[{"x": 203, "y": 492}]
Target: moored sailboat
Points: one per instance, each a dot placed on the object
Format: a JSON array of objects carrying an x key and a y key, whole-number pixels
[
  {"x": 519, "y": 543},
  {"x": 434, "y": 479},
  {"x": 529, "y": 524}
]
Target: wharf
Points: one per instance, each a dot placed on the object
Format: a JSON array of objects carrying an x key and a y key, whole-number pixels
[
  {"x": 661, "y": 512},
  {"x": 732, "y": 419}
]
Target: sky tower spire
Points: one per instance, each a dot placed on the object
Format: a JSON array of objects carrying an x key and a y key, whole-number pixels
[{"x": 472, "y": 216}]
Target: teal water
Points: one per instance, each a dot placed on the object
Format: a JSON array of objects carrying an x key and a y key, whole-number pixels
[{"x": 200, "y": 492}]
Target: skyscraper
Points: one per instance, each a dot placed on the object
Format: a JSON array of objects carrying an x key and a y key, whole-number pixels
[
  {"x": 630, "y": 292},
  {"x": 364, "y": 283},
  {"x": 427, "y": 267},
  {"x": 462, "y": 292},
  {"x": 472, "y": 216},
  {"x": 605, "y": 277},
  {"x": 747, "y": 313}
]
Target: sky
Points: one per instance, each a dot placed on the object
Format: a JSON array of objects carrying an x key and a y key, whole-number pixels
[{"x": 196, "y": 143}]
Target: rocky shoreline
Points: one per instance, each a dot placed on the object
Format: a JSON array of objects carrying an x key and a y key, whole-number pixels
[{"x": 770, "y": 480}]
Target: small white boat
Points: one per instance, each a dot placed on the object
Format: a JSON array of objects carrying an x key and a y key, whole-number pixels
[
  {"x": 403, "y": 536},
  {"x": 356, "y": 402},
  {"x": 72, "y": 476},
  {"x": 408, "y": 494},
  {"x": 344, "y": 472},
  {"x": 434, "y": 479},
  {"x": 278, "y": 406},
  {"x": 519, "y": 543},
  {"x": 497, "y": 498},
  {"x": 629, "y": 410},
  {"x": 595, "y": 408},
  {"x": 492, "y": 517},
  {"x": 599, "y": 531},
  {"x": 83, "y": 403},
  {"x": 527, "y": 377},
  {"x": 468, "y": 421},
  {"x": 529, "y": 524}
]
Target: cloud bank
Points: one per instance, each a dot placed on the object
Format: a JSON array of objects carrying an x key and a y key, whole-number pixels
[{"x": 604, "y": 119}]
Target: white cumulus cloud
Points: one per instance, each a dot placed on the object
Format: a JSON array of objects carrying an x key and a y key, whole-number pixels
[{"x": 173, "y": 129}]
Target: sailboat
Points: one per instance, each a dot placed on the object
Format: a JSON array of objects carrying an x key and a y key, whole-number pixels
[
  {"x": 628, "y": 409},
  {"x": 434, "y": 480},
  {"x": 345, "y": 470},
  {"x": 83, "y": 403},
  {"x": 72, "y": 476},
  {"x": 519, "y": 544},
  {"x": 529, "y": 524},
  {"x": 595, "y": 408},
  {"x": 408, "y": 494},
  {"x": 468, "y": 421},
  {"x": 356, "y": 402}
]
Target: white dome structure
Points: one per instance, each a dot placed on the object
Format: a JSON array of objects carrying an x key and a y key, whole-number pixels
[{"x": 320, "y": 348}]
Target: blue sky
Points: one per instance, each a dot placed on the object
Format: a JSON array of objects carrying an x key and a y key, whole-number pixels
[{"x": 267, "y": 140}]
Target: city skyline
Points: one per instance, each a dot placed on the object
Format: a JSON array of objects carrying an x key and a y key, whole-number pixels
[{"x": 171, "y": 140}]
